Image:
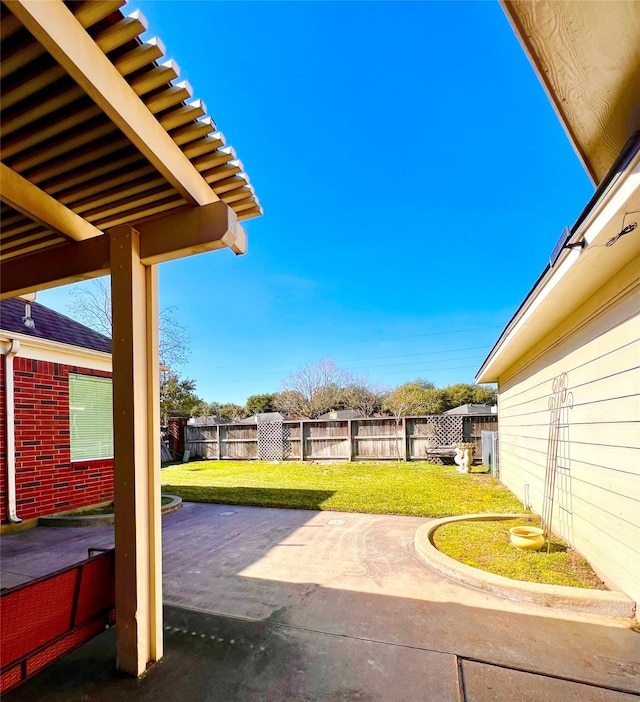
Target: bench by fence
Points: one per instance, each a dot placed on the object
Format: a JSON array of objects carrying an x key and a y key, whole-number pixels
[{"x": 44, "y": 619}]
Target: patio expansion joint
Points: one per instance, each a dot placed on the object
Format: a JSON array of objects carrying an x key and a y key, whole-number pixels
[
  {"x": 563, "y": 678},
  {"x": 15, "y": 572}
]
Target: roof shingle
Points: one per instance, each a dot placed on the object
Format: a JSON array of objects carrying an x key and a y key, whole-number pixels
[{"x": 50, "y": 325}]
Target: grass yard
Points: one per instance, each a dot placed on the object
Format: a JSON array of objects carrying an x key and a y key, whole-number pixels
[
  {"x": 486, "y": 545},
  {"x": 414, "y": 489}
]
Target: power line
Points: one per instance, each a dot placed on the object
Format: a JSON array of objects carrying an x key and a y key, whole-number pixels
[
  {"x": 378, "y": 358},
  {"x": 401, "y": 337},
  {"x": 416, "y": 372},
  {"x": 407, "y": 355},
  {"x": 413, "y": 363}
]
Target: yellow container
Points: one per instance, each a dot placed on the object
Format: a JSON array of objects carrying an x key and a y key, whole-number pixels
[{"x": 527, "y": 538}]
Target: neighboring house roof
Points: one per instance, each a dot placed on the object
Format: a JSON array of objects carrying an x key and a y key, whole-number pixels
[
  {"x": 342, "y": 414},
  {"x": 50, "y": 325},
  {"x": 208, "y": 421},
  {"x": 262, "y": 418},
  {"x": 472, "y": 409}
]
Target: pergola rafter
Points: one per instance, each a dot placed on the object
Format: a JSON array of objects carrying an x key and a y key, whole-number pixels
[{"x": 110, "y": 166}]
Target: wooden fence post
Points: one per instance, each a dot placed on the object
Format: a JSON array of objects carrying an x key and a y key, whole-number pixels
[
  {"x": 405, "y": 438},
  {"x": 301, "y": 440}
]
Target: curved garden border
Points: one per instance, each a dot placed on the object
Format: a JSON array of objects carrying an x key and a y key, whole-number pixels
[
  {"x": 604, "y": 602},
  {"x": 80, "y": 520}
]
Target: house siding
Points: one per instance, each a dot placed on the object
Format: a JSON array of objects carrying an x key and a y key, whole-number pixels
[
  {"x": 47, "y": 481},
  {"x": 597, "y": 497}
]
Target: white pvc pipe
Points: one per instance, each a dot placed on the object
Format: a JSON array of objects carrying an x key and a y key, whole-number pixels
[{"x": 14, "y": 347}]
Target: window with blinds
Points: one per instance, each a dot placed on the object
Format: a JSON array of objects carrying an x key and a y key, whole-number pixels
[{"x": 91, "y": 417}]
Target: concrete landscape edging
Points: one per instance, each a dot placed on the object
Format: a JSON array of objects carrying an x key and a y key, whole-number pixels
[
  {"x": 81, "y": 520},
  {"x": 603, "y": 602}
]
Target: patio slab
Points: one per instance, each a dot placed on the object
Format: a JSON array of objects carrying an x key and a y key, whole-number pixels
[
  {"x": 246, "y": 661},
  {"x": 231, "y": 659},
  {"x": 324, "y": 579}
]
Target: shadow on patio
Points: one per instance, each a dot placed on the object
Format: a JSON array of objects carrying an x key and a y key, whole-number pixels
[{"x": 271, "y": 605}]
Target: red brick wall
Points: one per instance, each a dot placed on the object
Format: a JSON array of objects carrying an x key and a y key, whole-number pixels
[
  {"x": 175, "y": 435},
  {"x": 46, "y": 480}
]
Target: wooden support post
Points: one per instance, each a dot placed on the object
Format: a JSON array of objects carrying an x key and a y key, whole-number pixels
[
  {"x": 219, "y": 428},
  {"x": 136, "y": 423},
  {"x": 350, "y": 430},
  {"x": 302, "y": 441}
]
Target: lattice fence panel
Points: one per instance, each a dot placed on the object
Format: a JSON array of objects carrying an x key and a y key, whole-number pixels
[
  {"x": 441, "y": 429},
  {"x": 270, "y": 441},
  {"x": 450, "y": 429},
  {"x": 287, "y": 452}
]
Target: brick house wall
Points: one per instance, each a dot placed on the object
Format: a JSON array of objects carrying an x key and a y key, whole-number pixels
[
  {"x": 175, "y": 435},
  {"x": 46, "y": 480}
]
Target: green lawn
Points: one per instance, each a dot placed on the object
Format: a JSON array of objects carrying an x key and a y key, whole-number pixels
[
  {"x": 415, "y": 489},
  {"x": 486, "y": 545}
]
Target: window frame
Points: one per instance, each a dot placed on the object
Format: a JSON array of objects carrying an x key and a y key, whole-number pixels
[{"x": 101, "y": 406}]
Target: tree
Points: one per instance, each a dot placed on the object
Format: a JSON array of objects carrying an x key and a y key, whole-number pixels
[
  {"x": 467, "y": 394},
  {"x": 232, "y": 411},
  {"x": 210, "y": 409},
  {"x": 92, "y": 306},
  {"x": 484, "y": 395},
  {"x": 415, "y": 398},
  {"x": 178, "y": 398},
  {"x": 313, "y": 389},
  {"x": 366, "y": 399},
  {"x": 258, "y": 404},
  {"x": 291, "y": 404}
]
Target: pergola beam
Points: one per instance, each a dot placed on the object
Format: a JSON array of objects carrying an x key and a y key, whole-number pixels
[
  {"x": 191, "y": 231},
  {"x": 60, "y": 33},
  {"x": 184, "y": 233},
  {"x": 27, "y": 198}
]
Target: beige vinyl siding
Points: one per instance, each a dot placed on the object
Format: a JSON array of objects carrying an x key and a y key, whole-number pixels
[{"x": 597, "y": 501}]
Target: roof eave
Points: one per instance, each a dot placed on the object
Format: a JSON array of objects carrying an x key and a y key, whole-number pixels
[
  {"x": 586, "y": 57},
  {"x": 620, "y": 186}
]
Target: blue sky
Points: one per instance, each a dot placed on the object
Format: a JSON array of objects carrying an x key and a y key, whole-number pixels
[{"x": 414, "y": 179}]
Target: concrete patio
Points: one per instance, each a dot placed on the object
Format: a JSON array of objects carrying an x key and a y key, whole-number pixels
[{"x": 266, "y": 604}]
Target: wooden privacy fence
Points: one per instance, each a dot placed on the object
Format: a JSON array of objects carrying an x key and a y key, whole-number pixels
[{"x": 377, "y": 438}]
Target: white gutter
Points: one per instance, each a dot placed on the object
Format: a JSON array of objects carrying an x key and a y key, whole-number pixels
[
  {"x": 624, "y": 182},
  {"x": 14, "y": 347},
  {"x": 57, "y": 352}
]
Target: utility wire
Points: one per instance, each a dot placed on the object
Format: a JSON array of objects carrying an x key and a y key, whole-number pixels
[{"x": 379, "y": 358}]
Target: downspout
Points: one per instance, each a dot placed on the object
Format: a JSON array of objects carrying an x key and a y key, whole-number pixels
[{"x": 14, "y": 347}]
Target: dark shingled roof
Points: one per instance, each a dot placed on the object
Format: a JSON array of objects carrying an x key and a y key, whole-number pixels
[
  {"x": 472, "y": 409},
  {"x": 50, "y": 325}
]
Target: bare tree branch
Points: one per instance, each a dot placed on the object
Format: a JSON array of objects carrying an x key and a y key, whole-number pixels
[
  {"x": 92, "y": 306},
  {"x": 313, "y": 389}
]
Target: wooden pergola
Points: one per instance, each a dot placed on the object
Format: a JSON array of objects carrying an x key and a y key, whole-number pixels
[{"x": 109, "y": 166}]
